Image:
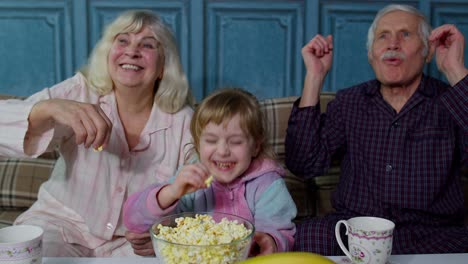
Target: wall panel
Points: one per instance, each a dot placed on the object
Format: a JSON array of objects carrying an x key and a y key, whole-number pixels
[
  {"x": 254, "y": 45},
  {"x": 35, "y": 45}
]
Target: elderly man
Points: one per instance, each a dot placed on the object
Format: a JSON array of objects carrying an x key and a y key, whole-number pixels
[{"x": 402, "y": 138}]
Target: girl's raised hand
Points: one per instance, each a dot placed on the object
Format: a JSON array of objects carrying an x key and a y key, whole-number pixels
[{"x": 190, "y": 178}]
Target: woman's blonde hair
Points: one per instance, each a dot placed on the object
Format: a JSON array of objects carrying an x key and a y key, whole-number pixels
[
  {"x": 172, "y": 91},
  {"x": 222, "y": 105}
]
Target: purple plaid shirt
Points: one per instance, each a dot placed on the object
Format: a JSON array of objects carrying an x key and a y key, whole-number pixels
[{"x": 402, "y": 166}]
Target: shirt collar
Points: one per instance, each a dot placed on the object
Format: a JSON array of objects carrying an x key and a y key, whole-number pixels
[
  {"x": 425, "y": 88},
  {"x": 158, "y": 119}
]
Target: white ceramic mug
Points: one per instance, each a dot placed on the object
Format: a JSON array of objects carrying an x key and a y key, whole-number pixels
[
  {"x": 21, "y": 244},
  {"x": 369, "y": 239}
]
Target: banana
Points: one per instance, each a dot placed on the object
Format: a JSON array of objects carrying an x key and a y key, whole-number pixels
[{"x": 289, "y": 257}]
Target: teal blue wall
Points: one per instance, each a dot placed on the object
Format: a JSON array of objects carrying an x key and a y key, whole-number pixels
[{"x": 255, "y": 44}]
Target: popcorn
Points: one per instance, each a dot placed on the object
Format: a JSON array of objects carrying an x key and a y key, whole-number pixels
[
  {"x": 201, "y": 240},
  {"x": 99, "y": 149},
  {"x": 208, "y": 181}
]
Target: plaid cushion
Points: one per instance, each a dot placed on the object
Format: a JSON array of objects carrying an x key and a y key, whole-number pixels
[
  {"x": 312, "y": 197},
  {"x": 20, "y": 180},
  {"x": 8, "y": 217},
  {"x": 8, "y": 96},
  {"x": 277, "y": 111}
]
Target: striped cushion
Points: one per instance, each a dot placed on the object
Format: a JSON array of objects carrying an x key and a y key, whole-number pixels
[
  {"x": 8, "y": 217},
  {"x": 311, "y": 197},
  {"x": 20, "y": 180},
  {"x": 277, "y": 111}
]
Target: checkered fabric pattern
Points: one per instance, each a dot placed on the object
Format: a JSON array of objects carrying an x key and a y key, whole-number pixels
[
  {"x": 8, "y": 217},
  {"x": 305, "y": 194},
  {"x": 276, "y": 111},
  {"x": 20, "y": 181}
]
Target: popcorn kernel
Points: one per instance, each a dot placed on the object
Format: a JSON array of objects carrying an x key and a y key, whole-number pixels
[{"x": 209, "y": 180}]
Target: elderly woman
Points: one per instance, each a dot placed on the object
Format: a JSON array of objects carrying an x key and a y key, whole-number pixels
[{"x": 120, "y": 124}]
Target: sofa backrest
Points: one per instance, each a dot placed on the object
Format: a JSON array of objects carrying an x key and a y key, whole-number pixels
[
  {"x": 20, "y": 178},
  {"x": 277, "y": 111}
]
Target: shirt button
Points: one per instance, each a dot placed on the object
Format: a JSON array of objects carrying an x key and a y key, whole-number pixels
[
  {"x": 119, "y": 189},
  {"x": 396, "y": 125},
  {"x": 388, "y": 168},
  {"x": 109, "y": 226}
]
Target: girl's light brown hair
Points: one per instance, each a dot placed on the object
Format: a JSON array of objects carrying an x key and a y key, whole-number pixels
[{"x": 222, "y": 105}]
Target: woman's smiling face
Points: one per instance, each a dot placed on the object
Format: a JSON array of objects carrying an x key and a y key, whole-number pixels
[{"x": 136, "y": 59}]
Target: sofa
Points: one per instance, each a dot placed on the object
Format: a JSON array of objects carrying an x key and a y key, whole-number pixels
[{"x": 20, "y": 178}]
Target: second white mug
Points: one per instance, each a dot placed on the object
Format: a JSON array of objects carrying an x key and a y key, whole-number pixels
[{"x": 370, "y": 239}]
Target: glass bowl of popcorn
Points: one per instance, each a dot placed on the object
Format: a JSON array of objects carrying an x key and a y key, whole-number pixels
[{"x": 202, "y": 238}]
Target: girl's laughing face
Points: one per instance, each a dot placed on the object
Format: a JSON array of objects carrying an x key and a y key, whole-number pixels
[{"x": 227, "y": 150}]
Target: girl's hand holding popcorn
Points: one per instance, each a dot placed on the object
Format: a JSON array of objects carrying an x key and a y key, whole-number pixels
[{"x": 190, "y": 179}]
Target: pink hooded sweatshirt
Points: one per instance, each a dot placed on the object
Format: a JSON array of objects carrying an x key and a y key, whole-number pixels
[{"x": 260, "y": 195}]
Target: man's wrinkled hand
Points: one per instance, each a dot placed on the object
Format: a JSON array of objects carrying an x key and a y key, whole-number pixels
[{"x": 449, "y": 45}]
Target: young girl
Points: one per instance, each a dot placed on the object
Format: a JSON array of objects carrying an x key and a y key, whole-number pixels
[{"x": 229, "y": 137}]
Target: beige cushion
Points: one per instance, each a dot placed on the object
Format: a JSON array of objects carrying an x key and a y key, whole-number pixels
[
  {"x": 307, "y": 195},
  {"x": 8, "y": 217},
  {"x": 277, "y": 111},
  {"x": 20, "y": 180}
]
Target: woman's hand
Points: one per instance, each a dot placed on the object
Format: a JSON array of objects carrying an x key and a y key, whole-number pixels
[
  {"x": 263, "y": 244},
  {"x": 141, "y": 243},
  {"x": 89, "y": 123}
]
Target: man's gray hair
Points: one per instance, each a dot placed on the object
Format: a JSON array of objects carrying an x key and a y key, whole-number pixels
[{"x": 424, "y": 27}]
